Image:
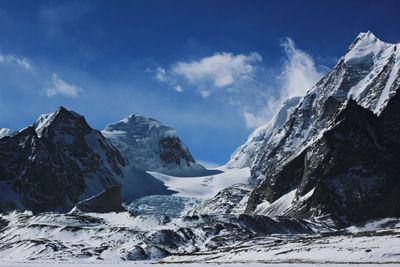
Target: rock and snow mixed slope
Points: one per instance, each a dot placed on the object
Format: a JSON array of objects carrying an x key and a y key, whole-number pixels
[
  {"x": 120, "y": 237},
  {"x": 350, "y": 173},
  {"x": 373, "y": 246},
  {"x": 151, "y": 146},
  {"x": 247, "y": 153}
]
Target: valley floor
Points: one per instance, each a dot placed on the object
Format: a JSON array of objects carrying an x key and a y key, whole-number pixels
[
  {"x": 120, "y": 239},
  {"x": 190, "y": 265}
]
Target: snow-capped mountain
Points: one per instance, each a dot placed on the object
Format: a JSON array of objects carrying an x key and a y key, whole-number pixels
[
  {"x": 369, "y": 74},
  {"x": 5, "y": 132},
  {"x": 151, "y": 146},
  {"x": 55, "y": 163}
]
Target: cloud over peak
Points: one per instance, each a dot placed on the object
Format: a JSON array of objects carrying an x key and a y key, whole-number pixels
[{"x": 298, "y": 74}]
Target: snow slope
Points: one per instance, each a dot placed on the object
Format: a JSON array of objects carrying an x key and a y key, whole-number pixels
[{"x": 246, "y": 153}]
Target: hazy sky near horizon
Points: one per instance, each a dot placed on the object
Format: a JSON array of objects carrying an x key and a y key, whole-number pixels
[{"x": 214, "y": 70}]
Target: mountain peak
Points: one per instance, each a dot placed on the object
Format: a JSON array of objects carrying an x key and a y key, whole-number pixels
[
  {"x": 136, "y": 118},
  {"x": 64, "y": 111},
  {"x": 366, "y": 45},
  {"x": 150, "y": 145},
  {"x": 367, "y": 34},
  {"x": 61, "y": 114}
]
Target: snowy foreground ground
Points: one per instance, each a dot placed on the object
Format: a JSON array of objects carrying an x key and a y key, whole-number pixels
[
  {"x": 151, "y": 239},
  {"x": 189, "y": 265},
  {"x": 121, "y": 239}
]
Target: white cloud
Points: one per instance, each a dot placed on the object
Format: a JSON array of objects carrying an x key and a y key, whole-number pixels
[
  {"x": 205, "y": 93},
  {"x": 12, "y": 59},
  {"x": 219, "y": 70},
  {"x": 178, "y": 88},
  {"x": 253, "y": 121},
  {"x": 161, "y": 74},
  {"x": 298, "y": 74},
  {"x": 60, "y": 87}
]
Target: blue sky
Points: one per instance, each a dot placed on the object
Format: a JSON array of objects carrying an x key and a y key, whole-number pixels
[{"x": 214, "y": 70}]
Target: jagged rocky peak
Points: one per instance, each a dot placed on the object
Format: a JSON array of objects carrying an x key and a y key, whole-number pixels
[
  {"x": 150, "y": 145},
  {"x": 61, "y": 118},
  {"x": 55, "y": 163},
  {"x": 367, "y": 44}
]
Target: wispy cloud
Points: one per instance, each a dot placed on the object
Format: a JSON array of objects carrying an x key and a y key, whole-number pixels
[
  {"x": 60, "y": 87},
  {"x": 298, "y": 74},
  {"x": 12, "y": 59},
  {"x": 178, "y": 88},
  {"x": 161, "y": 74}
]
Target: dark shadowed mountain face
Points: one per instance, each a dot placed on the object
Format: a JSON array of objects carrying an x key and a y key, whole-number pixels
[
  {"x": 55, "y": 163},
  {"x": 349, "y": 172}
]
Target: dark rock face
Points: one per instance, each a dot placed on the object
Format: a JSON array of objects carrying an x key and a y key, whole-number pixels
[
  {"x": 57, "y": 162},
  {"x": 172, "y": 152},
  {"x": 109, "y": 200},
  {"x": 351, "y": 172}
]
